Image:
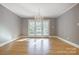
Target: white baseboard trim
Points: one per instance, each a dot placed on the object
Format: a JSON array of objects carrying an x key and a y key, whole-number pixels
[
  {"x": 1, "y": 45},
  {"x": 35, "y": 36},
  {"x": 71, "y": 43}
]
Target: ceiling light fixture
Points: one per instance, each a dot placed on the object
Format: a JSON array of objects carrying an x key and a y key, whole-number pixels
[{"x": 38, "y": 16}]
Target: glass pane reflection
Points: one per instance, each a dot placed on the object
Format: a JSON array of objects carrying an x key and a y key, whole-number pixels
[{"x": 38, "y": 46}]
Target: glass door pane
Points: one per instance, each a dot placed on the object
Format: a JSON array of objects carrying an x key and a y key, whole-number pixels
[
  {"x": 31, "y": 28},
  {"x": 46, "y": 27},
  {"x": 38, "y": 28}
]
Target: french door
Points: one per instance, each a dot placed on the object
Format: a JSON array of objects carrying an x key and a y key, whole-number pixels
[{"x": 38, "y": 27}]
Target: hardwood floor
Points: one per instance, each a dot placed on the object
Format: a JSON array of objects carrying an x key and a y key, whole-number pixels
[
  {"x": 61, "y": 47},
  {"x": 38, "y": 46}
]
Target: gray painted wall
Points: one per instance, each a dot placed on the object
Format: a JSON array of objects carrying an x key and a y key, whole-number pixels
[
  {"x": 53, "y": 27},
  {"x": 24, "y": 25},
  {"x": 67, "y": 27},
  {"x": 9, "y": 25}
]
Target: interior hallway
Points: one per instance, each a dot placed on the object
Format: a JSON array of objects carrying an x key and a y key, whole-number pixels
[{"x": 46, "y": 46}]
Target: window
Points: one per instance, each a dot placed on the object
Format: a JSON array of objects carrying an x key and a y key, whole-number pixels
[{"x": 38, "y": 27}]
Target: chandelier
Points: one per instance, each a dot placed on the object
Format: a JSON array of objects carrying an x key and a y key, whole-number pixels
[{"x": 38, "y": 16}]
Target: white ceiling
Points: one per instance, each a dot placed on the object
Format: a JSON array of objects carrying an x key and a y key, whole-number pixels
[{"x": 46, "y": 9}]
